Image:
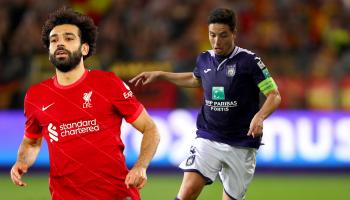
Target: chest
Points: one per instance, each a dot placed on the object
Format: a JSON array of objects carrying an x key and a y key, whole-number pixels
[
  {"x": 229, "y": 76},
  {"x": 71, "y": 106}
]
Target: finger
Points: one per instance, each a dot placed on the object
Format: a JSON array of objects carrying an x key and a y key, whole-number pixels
[
  {"x": 142, "y": 184},
  {"x": 135, "y": 78},
  {"x": 127, "y": 180},
  {"x": 130, "y": 182},
  {"x": 139, "y": 82},
  {"x": 250, "y": 131},
  {"x": 15, "y": 174},
  {"x": 146, "y": 81},
  {"x": 16, "y": 179},
  {"x": 256, "y": 131}
]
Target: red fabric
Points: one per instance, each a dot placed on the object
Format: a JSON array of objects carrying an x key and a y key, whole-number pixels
[{"x": 81, "y": 124}]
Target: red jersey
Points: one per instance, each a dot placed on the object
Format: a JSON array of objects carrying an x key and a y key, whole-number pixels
[{"x": 81, "y": 124}]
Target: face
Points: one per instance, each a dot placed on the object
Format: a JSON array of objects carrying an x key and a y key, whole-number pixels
[
  {"x": 221, "y": 38},
  {"x": 66, "y": 50}
]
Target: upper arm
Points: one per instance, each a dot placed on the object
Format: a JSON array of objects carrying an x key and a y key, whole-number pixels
[
  {"x": 33, "y": 129},
  {"x": 197, "y": 82},
  {"x": 123, "y": 99},
  {"x": 262, "y": 77}
]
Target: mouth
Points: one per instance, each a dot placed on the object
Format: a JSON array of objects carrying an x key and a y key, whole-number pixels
[{"x": 61, "y": 53}]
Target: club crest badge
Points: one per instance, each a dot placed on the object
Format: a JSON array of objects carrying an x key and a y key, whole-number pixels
[
  {"x": 87, "y": 100},
  {"x": 190, "y": 160},
  {"x": 231, "y": 70}
]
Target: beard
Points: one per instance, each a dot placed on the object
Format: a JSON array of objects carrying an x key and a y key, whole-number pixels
[{"x": 66, "y": 64}]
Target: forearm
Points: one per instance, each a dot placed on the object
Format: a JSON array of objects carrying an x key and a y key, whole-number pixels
[
  {"x": 149, "y": 144},
  {"x": 28, "y": 151},
  {"x": 184, "y": 79},
  {"x": 272, "y": 102}
]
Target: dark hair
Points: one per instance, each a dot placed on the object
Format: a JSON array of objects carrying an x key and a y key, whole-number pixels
[
  {"x": 223, "y": 16},
  {"x": 87, "y": 28}
]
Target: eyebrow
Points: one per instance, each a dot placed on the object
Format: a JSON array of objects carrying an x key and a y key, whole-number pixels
[
  {"x": 220, "y": 33},
  {"x": 65, "y": 34}
]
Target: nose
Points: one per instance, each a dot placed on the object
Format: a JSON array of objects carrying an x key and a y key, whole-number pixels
[
  {"x": 59, "y": 44},
  {"x": 217, "y": 41}
]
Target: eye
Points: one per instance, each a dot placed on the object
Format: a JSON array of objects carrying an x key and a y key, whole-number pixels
[{"x": 53, "y": 40}]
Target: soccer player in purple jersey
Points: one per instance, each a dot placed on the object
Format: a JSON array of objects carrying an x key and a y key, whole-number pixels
[{"x": 230, "y": 122}]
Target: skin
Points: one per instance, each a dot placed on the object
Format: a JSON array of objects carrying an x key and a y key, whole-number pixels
[
  {"x": 67, "y": 36},
  {"x": 222, "y": 40}
]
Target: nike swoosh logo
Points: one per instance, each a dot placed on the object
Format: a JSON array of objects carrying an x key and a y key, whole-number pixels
[
  {"x": 207, "y": 70},
  {"x": 46, "y": 107}
]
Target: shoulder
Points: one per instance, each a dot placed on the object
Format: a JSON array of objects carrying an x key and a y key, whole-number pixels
[
  {"x": 103, "y": 77},
  {"x": 245, "y": 53},
  {"x": 107, "y": 81},
  {"x": 248, "y": 57},
  {"x": 206, "y": 54},
  {"x": 101, "y": 74},
  {"x": 205, "y": 58},
  {"x": 39, "y": 88}
]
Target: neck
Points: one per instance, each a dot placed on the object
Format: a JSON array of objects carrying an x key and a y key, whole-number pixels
[
  {"x": 231, "y": 50},
  {"x": 68, "y": 78}
]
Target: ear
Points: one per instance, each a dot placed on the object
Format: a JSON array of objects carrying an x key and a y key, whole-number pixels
[
  {"x": 234, "y": 34},
  {"x": 85, "y": 49}
]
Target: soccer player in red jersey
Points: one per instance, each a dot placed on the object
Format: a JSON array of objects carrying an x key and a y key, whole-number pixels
[{"x": 79, "y": 113}]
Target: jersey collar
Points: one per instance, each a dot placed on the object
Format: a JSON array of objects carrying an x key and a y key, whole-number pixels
[
  {"x": 234, "y": 52},
  {"x": 81, "y": 79}
]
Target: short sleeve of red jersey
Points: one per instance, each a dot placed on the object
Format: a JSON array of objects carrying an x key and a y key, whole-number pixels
[
  {"x": 32, "y": 127},
  {"x": 124, "y": 100}
]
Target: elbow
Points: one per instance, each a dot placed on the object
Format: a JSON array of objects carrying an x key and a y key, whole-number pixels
[{"x": 278, "y": 99}]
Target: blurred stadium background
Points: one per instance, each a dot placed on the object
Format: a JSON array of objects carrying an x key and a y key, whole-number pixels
[{"x": 305, "y": 44}]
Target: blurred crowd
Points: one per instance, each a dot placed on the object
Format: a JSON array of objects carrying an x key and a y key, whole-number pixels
[{"x": 304, "y": 43}]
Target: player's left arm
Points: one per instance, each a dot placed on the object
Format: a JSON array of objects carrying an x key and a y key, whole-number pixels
[
  {"x": 137, "y": 176},
  {"x": 269, "y": 88}
]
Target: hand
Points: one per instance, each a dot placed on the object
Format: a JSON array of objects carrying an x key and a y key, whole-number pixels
[
  {"x": 256, "y": 126},
  {"x": 145, "y": 78},
  {"x": 136, "y": 177},
  {"x": 17, "y": 171}
]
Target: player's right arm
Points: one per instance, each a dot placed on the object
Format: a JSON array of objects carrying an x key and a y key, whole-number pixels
[
  {"x": 185, "y": 79},
  {"x": 27, "y": 153}
]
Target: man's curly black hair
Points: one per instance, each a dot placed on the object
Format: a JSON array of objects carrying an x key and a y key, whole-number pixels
[{"x": 87, "y": 28}]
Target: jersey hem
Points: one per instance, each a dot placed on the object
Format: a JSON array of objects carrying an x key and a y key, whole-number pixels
[
  {"x": 32, "y": 135},
  {"x": 135, "y": 115},
  {"x": 208, "y": 181}
]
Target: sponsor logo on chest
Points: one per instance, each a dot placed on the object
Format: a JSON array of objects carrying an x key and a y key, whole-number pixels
[
  {"x": 70, "y": 129},
  {"x": 218, "y": 102}
]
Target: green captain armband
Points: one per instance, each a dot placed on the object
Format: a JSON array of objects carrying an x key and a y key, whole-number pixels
[{"x": 267, "y": 85}]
